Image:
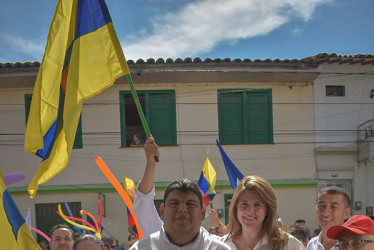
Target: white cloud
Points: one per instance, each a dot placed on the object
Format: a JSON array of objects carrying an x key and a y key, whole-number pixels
[
  {"x": 24, "y": 46},
  {"x": 202, "y": 25}
]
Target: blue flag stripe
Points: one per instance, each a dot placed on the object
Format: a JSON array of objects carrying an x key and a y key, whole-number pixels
[
  {"x": 91, "y": 15},
  {"x": 15, "y": 218}
]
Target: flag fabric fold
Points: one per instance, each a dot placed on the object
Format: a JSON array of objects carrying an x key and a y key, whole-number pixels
[
  {"x": 233, "y": 172},
  {"x": 130, "y": 188},
  {"x": 13, "y": 229},
  {"x": 82, "y": 57},
  {"x": 28, "y": 217},
  {"x": 207, "y": 181}
]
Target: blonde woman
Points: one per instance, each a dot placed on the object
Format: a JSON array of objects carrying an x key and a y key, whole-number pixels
[{"x": 252, "y": 218}]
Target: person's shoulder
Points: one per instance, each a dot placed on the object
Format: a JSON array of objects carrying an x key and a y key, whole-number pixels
[
  {"x": 312, "y": 243},
  {"x": 313, "y": 240},
  {"x": 214, "y": 241},
  {"x": 145, "y": 243},
  {"x": 294, "y": 243}
]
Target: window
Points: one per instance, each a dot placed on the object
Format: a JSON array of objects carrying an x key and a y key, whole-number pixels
[
  {"x": 159, "y": 110},
  {"x": 78, "y": 142},
  {"x": 245, "y": 116},
  {"x": 46, "y": 216},
  {"x": 335, "y": 90}
]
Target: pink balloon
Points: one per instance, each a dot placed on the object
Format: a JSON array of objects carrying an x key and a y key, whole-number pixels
[
  {"x": 13, "y": 178},
  {"x": 41, "y": 233}
]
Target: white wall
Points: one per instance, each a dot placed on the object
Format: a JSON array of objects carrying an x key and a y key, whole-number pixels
[{"x": 342, "y": 116}]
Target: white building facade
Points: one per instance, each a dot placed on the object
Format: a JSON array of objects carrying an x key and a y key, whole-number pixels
[
  {"x": 267, "y": 115},
  {"x": 344, "y": 112}
]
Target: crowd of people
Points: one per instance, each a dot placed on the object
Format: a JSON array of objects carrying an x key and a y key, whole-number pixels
[{"x": 253, "y": 221}]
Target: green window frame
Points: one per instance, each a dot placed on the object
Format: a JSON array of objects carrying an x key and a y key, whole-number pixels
[
  {"x": 159, "y": 109},
  {"x": 245, "y": 116},
  {"x": 227, "y": 201},
  {"x": 78, "y": 141}
]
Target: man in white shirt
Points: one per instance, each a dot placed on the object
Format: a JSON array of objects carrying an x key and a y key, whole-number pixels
[
  {"x": 182, "y": 212},
  {"x": 332, "y": 208}
]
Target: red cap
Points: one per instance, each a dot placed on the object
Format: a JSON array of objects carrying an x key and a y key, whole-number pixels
[{"x": 358, "y": 224}]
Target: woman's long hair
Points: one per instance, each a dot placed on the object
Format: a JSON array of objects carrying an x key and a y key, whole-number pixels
[{"x": 276, "y": 237}]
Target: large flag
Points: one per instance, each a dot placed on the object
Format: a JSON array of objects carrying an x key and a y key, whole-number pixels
[
  {"x": 14, "y": 231},
  {"x": 232, "y": 171},
  {"x": 83, "y": 56},
  {"x": 207, "y": 181},
  {"x": 130, "y": 189}
]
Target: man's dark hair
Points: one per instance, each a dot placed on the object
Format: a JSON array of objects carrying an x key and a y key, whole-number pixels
[
  {"x": 89, "y": 237},
  {"x": 184, "y": 185},
  {"x": 300, "y": 221},
  {"x": 336, "y": 190},
  {"x": 55, "y": 227},
  {"x": 301, "y": 234}
]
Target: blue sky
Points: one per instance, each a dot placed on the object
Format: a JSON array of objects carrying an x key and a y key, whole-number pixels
[{"x": 254, "y": 29}]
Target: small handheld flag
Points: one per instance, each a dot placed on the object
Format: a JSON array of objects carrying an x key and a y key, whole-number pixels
[{"x": 207, "y": 181}]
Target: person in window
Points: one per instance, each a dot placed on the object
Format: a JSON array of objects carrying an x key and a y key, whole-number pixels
[{"x": 137, "y": 141}]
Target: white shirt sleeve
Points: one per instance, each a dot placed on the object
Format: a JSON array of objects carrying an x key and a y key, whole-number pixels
[{"x": 146, "y": 213}]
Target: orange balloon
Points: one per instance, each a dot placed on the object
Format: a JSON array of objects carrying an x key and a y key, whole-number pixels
[{"x": 104, "y": 168}]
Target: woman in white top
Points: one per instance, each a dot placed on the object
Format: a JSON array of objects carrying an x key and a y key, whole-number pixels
[{"x": 252, "y": 218}]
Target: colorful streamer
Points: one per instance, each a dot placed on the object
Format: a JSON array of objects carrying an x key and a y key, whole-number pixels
[
  {"x": 92, "y": 218},
  {"x": 104, "y": 168},
  {"x": 97, "y": 234},
  {"x": 77, "y": 219},
  {"x": 71, "y": 214},
  {"x": 41, "y": 233}
]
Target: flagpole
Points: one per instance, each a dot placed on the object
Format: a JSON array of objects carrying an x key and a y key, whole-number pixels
[{"x": 139, "y": 108}]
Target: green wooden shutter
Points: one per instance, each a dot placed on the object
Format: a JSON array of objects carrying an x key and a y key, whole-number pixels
[
  {"x": 161, "y": 117},
  {"x": 230, "y": 117},
  {"x": 257, "y": 108},
  {"x": 245, "y": 116}
]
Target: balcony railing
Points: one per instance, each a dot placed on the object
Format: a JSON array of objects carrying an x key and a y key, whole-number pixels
[
  {"x": 365, "y": 131},
  {"x": 365, "y": 139}
]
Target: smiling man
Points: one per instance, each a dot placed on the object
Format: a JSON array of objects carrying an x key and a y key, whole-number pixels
[
  {"x": 182, "y": 213},
  {"x": 61, "y": 237},
  {"x": 332, "y": 208}
]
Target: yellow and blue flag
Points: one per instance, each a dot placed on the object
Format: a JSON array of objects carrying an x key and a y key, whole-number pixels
[
  {"x": 14, "y": 231},
  {"x": 233, "y": 172},
  {"x": 207, "y": 181},
  {"x": 83, "y": 56}
]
